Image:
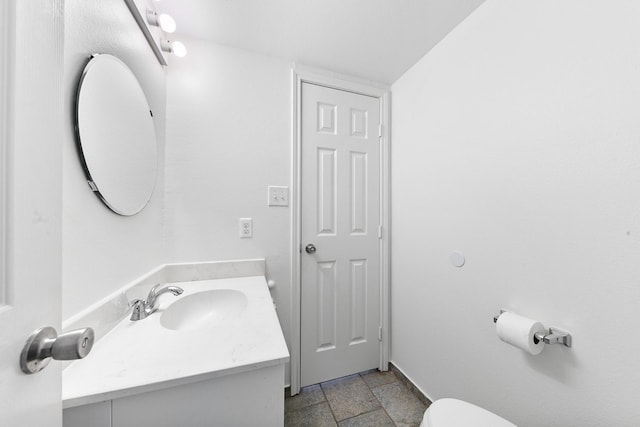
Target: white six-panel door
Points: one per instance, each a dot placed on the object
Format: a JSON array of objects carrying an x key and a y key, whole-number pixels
[{"x": 340, "y": 217}]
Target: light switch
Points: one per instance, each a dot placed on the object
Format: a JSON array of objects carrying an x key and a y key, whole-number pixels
[{"x": 278, "y": 196}]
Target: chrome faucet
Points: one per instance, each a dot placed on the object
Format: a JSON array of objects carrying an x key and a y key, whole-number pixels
[{"x": 144, "y": 308}]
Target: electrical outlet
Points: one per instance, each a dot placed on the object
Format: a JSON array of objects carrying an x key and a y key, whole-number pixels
[
  {"x": 246, "y": 228},
  {"x": 278, "y": 196}
]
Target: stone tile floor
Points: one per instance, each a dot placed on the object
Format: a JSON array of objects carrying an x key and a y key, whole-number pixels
[{"x": 370, "y": 399}]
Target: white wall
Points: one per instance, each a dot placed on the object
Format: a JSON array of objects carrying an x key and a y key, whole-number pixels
[
  {"x": 103, "y": 251},
  {"x": 517, "y": 141},
  {"x": 229, "y": 133},
  {"x": 228, "y": 138}
]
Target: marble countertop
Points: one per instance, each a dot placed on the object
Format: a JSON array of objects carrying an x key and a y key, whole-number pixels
[{"x": 142, "y": 356}]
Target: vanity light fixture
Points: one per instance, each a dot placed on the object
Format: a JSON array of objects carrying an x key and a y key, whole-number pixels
[
  {"x": 164, "y": 21},
  {"x": 137, "y": 14},
  {"x": 177, "y": 48}
]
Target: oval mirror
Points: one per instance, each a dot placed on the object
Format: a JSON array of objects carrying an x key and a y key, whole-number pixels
[{"x": 116, "y": 135}]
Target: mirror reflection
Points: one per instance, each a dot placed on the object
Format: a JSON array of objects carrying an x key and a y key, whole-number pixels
[{"x": 116, "y": 135}]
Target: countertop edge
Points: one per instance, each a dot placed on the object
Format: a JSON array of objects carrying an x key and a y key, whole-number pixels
[{"x": 145, "y": 388}]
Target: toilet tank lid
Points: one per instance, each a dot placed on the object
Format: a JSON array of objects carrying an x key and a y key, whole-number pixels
[{"x": 458, "y": 413}]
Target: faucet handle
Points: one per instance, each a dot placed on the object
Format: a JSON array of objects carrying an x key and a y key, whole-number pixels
[{"x": 138, "y": 309}]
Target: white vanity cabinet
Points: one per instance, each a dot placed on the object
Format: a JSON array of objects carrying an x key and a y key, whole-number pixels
[
  {"x": 93, "y": 414},
  {"x": 245, "y": 399},
  {"x": 215, "y": 358}
]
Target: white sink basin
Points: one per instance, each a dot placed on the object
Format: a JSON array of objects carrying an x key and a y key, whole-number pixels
[{"x": 203, "y": 309}]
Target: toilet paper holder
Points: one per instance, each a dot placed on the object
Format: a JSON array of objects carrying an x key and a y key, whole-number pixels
[{"x": 554, "y": 336}]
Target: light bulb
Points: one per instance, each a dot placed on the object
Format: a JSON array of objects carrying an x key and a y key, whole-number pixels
[
  {"x": 167, "y": 23},
  {"x": 164, "y": 21},
  {"x": 179, "y": 49}
]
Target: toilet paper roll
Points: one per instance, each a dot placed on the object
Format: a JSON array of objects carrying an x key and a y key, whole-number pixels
[{"x": 519, "y": 332}]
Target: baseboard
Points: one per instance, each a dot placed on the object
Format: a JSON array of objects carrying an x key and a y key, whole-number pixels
[
  {"x": 410, "y": 385},
  {"x": 415, "y": 390}
]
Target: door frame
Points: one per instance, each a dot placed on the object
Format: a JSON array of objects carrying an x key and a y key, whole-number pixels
[{"x": 303, "y": 74}]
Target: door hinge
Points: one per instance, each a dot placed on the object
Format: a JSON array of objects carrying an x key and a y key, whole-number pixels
[
  {"x": 379, "y": 333},
  {"x": 380, "y": 131},
  {"x": 380, "y": 232}
]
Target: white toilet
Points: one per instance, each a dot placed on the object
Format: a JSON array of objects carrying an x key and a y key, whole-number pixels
[{"x": 457, "y": 413}]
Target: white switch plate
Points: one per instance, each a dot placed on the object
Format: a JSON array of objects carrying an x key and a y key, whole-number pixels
[
  {"x": 246, "y": 228},
  {"x": 278, "y": 196}
]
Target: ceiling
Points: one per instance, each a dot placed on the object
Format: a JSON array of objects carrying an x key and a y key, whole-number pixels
[{"x": 376, "y": 40}]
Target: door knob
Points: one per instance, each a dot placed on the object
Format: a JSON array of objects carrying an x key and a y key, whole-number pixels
[
  {"x": 44, "y": 344},
  {"x": 310, "y": 248}
]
